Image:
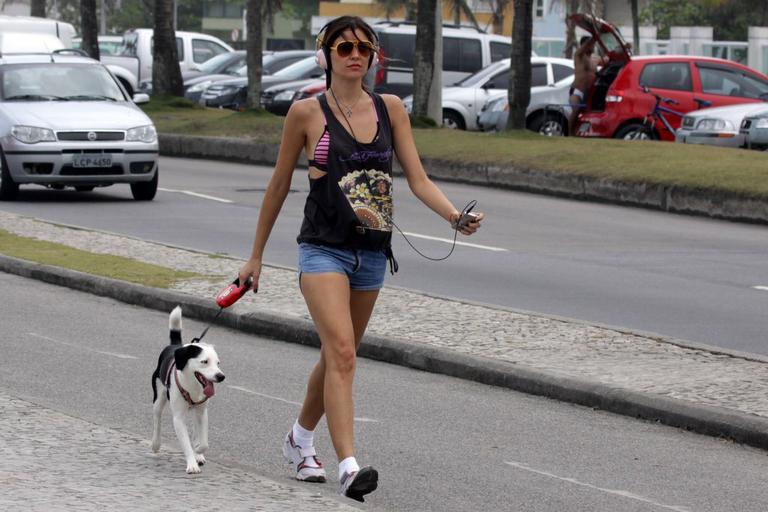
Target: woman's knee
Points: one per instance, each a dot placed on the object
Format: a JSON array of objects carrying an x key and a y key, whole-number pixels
[{"x": 340, "y": 355}]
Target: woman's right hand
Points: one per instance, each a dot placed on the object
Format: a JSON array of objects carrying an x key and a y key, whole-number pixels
[{"x": 251, "y": 269}]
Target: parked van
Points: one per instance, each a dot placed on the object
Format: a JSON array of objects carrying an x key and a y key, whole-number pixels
[
  {"x": 465, "y": 51},
  {"x": 136, "y": 51},
  {"x": 33, "y": 25}
]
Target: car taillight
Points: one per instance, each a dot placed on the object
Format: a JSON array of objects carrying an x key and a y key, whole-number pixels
[
  {"x": 379, "y": 79},
  {"x": 614, "y": 98}
]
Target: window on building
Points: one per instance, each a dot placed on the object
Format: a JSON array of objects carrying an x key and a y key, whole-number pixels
[{"x": 540, "y": 8}]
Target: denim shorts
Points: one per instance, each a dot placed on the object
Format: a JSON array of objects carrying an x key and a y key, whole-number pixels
[{"x": 365, "y": 269}]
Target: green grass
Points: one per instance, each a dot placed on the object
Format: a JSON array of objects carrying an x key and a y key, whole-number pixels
[
  {"x": 702, "y": 167},
  {"x": 115, "y": 267}
]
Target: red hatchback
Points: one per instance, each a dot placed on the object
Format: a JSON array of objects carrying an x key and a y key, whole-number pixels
[{"x": 616, "y": 103}]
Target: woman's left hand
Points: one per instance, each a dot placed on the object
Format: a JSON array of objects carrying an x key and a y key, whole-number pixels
[{"x": 472, "y": 226}]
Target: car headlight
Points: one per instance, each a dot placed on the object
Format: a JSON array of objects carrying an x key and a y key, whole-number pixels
[
  {"x": 32, "y": 134},
  {"x": 284, "y": 96},
  {"x": 146, "y": 134},
  {"x": 761, "y": 122},
  {"x": 715, "y": 125},
  {"x": 500, "y": 106},
  {"x": 199, "y": 86}
]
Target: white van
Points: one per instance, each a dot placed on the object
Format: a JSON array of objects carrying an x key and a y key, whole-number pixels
[
  {"x": 136, "y": 51},
  {"x": 465, "y": 51},
  {"x": 32, "y": 25}
]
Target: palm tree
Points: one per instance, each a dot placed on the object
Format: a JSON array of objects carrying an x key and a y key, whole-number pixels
[
  {"x": 166, "y": 73},
  {"x": 424, "y": 57},
  {"x": 520, "y": 72},
  {"x": 38, "y": 8},
  {"x": 498, "y": 8},
  {"x": 257, "y": 12},
  {"x": 459, "y": 7},
  {"x": 635, "y": 27},
  {"x": 89, "y": 27}
]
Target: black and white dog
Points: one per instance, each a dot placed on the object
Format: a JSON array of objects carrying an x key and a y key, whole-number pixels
[{"x": 187, "y": 372}]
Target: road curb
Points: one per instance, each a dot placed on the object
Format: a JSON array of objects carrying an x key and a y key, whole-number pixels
[
  {"x": 669, "y": 198},
  {"x": 714, "y": 421}
]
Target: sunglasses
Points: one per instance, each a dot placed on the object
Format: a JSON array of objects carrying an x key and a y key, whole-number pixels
[{"x": 344, "y": 48}]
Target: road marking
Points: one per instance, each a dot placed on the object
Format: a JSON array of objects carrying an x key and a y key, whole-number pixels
[
  {"x": 251, "y": 392},
  {"x": 112, "y": 354},
  {"x": 450, "y": 241},
  {"x": 196, "y": 194},
  {"x": 762, "y": 288},
  {"x": 617, "y": 492}
]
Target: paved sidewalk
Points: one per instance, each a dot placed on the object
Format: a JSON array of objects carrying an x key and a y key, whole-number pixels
[
  {"x": 711, "y": 391},
  {"x": 52, "y": 462}
]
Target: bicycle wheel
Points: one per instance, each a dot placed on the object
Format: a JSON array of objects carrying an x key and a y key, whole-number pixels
[{"x": 635, "y": 131}]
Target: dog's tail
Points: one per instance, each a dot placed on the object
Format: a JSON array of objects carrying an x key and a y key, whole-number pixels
[{"x": 174, "y": 324}]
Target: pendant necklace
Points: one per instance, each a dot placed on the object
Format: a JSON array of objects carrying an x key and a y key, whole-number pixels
[{"x": 347, "y": 108}]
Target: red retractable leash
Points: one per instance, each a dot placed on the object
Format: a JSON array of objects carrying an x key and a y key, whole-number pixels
[{"x": 225, "y": 298}]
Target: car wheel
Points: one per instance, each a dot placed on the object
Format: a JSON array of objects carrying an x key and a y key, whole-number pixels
[
  {"x": 635, "y": 131},
  {"x": 8, "y": 188},
  {"x": 453, "y": 120},
  {"x": 145, "y": 190},
  {"x": 84, "y": 188},
  {"x": 549, "y": 124}
]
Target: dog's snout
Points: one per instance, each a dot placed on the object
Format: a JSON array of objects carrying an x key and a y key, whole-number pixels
[{"x": 219, "y": 377}]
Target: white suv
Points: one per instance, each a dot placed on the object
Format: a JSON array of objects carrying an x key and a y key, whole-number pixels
[{"x": 465, "y": 51}]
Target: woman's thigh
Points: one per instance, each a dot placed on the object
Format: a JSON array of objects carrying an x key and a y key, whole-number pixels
[{"x": 327, "y": 296}]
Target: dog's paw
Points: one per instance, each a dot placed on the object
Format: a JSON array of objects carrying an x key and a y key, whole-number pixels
[
  {"x": 193, "y": 468},
  {"x": 155, "y": 446},
  {"x": 200, "y": 458}
]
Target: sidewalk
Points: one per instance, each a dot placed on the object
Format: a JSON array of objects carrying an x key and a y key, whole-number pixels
[
  {"x": 712, "y": 391},
  {"x": 52, "y": 462}
]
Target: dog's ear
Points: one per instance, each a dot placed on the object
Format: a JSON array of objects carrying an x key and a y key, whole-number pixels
[{"x": 184, "y": 354}]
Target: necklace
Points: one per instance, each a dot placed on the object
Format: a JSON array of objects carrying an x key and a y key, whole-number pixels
[{"x": 347, "y": 108}]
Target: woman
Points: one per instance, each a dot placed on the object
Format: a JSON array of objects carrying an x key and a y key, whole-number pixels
[{"x": 348, "y": 135}]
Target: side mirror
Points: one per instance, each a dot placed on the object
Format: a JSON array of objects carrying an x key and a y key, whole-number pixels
[{"x": 140, "y": 98}]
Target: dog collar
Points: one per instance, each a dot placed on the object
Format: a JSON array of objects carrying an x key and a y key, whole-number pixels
[{"x": 183, "y": 391}]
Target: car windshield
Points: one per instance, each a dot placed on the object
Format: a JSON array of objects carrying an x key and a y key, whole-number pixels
[
  {"x": 298, "y": 69},
  {"x": 480, "y": 77},
  {"x": 211, "y": 65},
  {"x": 58, "y": 82}
]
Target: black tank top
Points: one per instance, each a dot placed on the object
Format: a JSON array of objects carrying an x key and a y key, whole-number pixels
[{"x": 351, "y": 205}]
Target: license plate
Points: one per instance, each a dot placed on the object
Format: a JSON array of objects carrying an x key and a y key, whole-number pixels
[{"x": 92, "y": 160}]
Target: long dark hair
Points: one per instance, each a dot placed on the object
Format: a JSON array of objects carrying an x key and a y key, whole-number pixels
[{"x": 333, "y": 29}]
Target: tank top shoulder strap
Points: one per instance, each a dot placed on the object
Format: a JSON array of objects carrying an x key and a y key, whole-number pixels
[{"x": 382, "y": 114}]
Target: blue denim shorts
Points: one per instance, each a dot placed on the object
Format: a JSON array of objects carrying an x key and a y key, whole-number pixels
[{"x": 365, "y": 269}]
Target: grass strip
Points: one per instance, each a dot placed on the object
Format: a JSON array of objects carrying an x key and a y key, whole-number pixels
[
  {"x": 687, "y": 165},
  {"x": 115, "y": 267}
]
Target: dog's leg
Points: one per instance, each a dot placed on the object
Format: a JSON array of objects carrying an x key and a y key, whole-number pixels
[
  {"x": 183, "y": 435},
  {"x": 201, "y": 435},
  {"x": 157, "y": 409}
]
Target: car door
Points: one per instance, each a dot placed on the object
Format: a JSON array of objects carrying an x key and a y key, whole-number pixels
[
  {"x": 668, "y": 79},
  {"x": 499, "y": 83},
  {"x": 722, "y": 84}
]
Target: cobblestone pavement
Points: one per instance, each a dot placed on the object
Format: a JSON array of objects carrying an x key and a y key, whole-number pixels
[
  {"x": 52, "y": 462},
  {"x": 569, "y": 348}
]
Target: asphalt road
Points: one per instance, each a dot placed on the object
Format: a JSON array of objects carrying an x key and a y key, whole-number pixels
[
  {"x": 441, "y": 444},
  {"x": 686, "y": 277}
]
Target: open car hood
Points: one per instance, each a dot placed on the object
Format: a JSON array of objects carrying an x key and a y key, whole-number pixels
[{"x": 607, "y": 36}]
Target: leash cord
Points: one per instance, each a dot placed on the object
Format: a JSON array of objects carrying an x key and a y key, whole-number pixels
[{"x": 205, "y": 331}]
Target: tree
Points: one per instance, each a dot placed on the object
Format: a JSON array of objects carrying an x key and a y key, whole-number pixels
[
  {"x": 520, "y": 72},
  {"x": 635, "y": 27},
  {"x": 572, "y": 7},
  {"x": 166, "y": 72},
  {"x": 38, "y": 8},
  {"x": 459, "y": 7},
  {"x": 424, "y": 57},
  {"x": 253, "y": 48},
  {"x": 89, "y": 28},
  {"x": 498, "y": 9}
]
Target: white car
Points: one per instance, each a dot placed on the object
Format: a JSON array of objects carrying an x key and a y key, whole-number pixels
[
  {"x": 65, "y": 121},
  {"x": 717, "y": 126},
  {"x": 463, "y": 102}
]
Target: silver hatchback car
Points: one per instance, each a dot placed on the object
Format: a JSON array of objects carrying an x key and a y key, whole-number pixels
[{"x": 66, "y": 121}]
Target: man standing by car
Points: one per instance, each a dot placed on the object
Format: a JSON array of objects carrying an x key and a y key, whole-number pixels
[{"x": 585, "y": 68}]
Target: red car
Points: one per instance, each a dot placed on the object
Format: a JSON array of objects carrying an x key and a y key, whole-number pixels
[{"x": 616, "y": 103}]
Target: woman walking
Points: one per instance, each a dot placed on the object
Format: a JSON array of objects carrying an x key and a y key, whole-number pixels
[{"x": 349, "y": 136}]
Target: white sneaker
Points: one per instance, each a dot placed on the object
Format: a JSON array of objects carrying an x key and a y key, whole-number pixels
[
  {"x": 308, "y": 466},
  {"x": 357, "y": 484}
]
